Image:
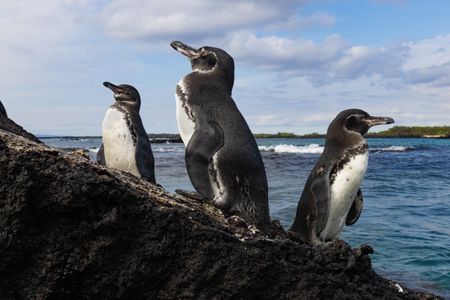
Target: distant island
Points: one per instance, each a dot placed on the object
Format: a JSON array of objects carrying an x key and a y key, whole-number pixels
[
  {"x": 394, "y": 132},
  {"x": 414, "y": 132},
  {"x": 279, "y": 135}
]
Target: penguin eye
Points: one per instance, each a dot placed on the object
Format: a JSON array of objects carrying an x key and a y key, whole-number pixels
[
  {"x": 203, "y": 53},
  {"x": 351, "y": 123},
  {"x": 354, "y": 124},
  {"x": 352, "y": 119}
]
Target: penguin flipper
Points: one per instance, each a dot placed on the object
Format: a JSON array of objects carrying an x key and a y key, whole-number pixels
[
  {"x": 101, "y": 156},
  {"x": 147, "y": 170},
  {"x": 205, "y": 141},
  {"x": 144, "y": 155},
  {"x": 150, "y": 162},
  {"x": 355, "y": 210},
  {"x": 320, "y": 188}
]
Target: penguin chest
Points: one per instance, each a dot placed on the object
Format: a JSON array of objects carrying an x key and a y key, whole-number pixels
[
  {"x": 346, "y": 184},
  {"x": 185, "y": 117},
  {"x": 119, "y": 143}
]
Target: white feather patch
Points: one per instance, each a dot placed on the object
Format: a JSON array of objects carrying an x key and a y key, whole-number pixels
[
  {"x": 118, "y": 143},
  {"x": 343, "y": 192},
  {"x": 218, "y": 188},
  {"x": 185, "y": 125}
]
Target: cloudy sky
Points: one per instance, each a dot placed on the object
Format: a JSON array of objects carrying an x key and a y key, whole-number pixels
[{"x": 298, "y": 63}]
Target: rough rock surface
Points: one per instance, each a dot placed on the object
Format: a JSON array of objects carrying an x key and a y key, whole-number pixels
[{"x": 71, "y": 229}]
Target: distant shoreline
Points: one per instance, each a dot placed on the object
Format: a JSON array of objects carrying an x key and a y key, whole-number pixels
[
  {"x": 435, "y": 132},
  {"x": 440, "y": 132}
]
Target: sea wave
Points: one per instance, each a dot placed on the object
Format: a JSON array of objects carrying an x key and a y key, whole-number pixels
[
  {"x": 77, "y": 139},
  {"x": 154, "y": 149},
  {"x": 316, "y": 148},
  {"x": 391, "y": 149},
  {"x": 284, "y": 148},
  {"x": 167, "y": 149}
]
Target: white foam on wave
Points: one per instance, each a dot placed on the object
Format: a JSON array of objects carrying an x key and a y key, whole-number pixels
[
  {"x": 94, "y": 150},
  {"x": 284, "y": 148},
  {"x": 154, "y": 149},
  {"x": 391, "y": 149},
  {"x": 167, "y": 149},
  {"x": 316, "y": 148}
]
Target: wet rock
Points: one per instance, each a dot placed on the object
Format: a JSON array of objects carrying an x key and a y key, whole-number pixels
[{"x": 72, "y": 229}]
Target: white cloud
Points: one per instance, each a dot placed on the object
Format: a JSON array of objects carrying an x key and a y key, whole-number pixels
[
  {"x": 158, "y": 20},
  {"x": 246, "y": 30},
  {"x": 55, "y": 53},
  {"x": 277, "y": 52},
  {"x": 41, "y": 35},
  {"x": 429, "y": 52},
  {"x": 427, "y": 67},
  {"x": 296, "y": 23}
]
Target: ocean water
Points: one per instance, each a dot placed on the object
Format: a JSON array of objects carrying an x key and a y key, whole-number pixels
[{"x": 406, "y": 215}]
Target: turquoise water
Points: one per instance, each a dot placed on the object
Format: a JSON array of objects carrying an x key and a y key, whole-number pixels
[{"x": 406, "y": 216}]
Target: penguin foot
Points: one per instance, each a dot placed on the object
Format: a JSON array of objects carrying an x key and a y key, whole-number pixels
[{"x": 190, "y": 194}]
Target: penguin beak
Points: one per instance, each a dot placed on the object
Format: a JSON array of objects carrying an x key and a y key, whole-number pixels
[
  {"x": 112, "y": 87},
  {"x": 373, "y": 121},
  {"x": 119, "y": 92},
  {"x": 186, "y": 50}
]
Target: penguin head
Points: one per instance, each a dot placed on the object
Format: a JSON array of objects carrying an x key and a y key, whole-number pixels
[
  {"x": 125, "y": 95},
  {"x": 354, "y": 123},
  {"x": 208, "y": 60}
]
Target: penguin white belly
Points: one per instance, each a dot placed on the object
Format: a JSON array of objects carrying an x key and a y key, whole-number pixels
[
  {"x": 186, "y": 125},
  {"x": 119, "y": 148},
  {"x": 343, "y": 191}
]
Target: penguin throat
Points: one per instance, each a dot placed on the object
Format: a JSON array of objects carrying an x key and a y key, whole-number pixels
[
  {"x": 348, "y": 155},
  {"x": 198, "y": 70},
  {"x": 128, "y": 106}
]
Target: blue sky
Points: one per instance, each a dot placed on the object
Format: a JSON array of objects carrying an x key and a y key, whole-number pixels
[{"x": 298, "y": 63}]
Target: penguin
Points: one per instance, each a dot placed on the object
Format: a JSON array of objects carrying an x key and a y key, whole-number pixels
[
  {"x": 222, "y": 158},
  {"x": 125, "y": 144},
  {"x": 9, "y": 125},
  {"x": 332, "y": 197},
  {"x": 3, "y": 110}
]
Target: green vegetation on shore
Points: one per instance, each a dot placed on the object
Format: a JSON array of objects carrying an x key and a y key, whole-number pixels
[
  {"x": 414, "y": 131},
  {"x": 394, "y": 132},
  {"x": 285, "y": 135}
]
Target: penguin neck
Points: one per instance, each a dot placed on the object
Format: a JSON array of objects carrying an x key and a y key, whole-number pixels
[
  {"x": 222, "y": 77},
  {"x": 125, "y": 107},
  {"x": 228, "y": 78},
  {"x": 348, "y": 139}
]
